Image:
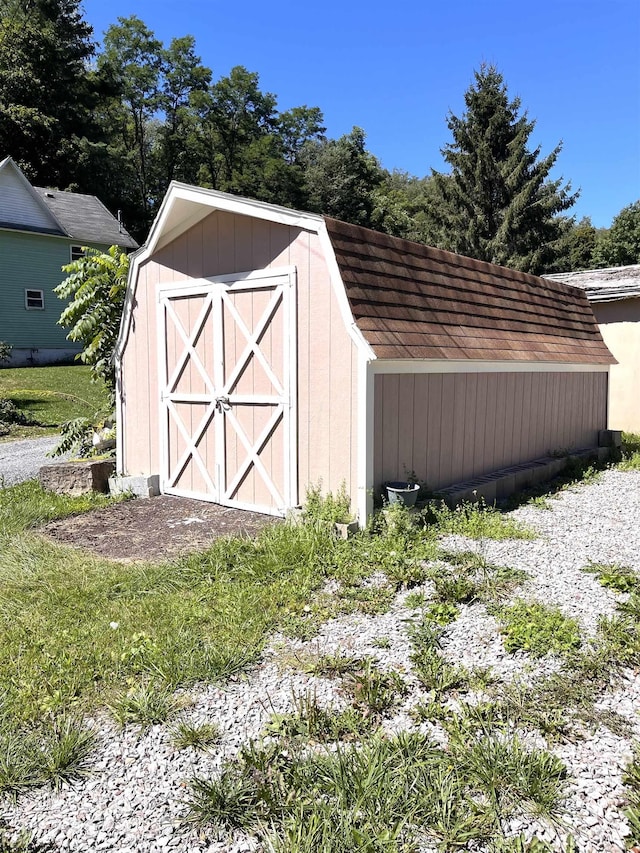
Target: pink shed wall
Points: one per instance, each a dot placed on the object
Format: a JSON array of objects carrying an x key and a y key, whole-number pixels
[
  {"x": 327, "y": 359},
  {"x": 448, "y": 428}
]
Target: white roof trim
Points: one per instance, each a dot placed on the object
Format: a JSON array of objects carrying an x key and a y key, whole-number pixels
[
  {"x": 427, "y": 365},
  {"x": 209, "y": 200},
  {"x": 9, "y": 163},
  {"x": 203, "y": 202}
]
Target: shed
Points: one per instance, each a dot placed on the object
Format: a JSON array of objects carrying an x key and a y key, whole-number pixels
[
  {"x": 263, "y": 350},
  {"x": 614, "y": 295}
]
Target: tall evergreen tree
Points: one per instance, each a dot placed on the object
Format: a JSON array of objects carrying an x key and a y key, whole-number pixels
[{"x": 498, "y": 203}]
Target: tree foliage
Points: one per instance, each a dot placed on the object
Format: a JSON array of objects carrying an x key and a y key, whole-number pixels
[
  {"x": 47, "y": 91},
  {"x": 620, "y": 245},
  {"x": 498, "y": 203},
  {"x": 123, "y": 120},
  {"x": 95, "y": 286}
]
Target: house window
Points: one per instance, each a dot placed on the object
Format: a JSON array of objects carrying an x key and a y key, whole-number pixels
[
  {"x": 34, "y": 300},
  {"x": 77, "y": 252}
]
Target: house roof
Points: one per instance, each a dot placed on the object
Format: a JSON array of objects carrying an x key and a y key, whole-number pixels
[
  {"x": 413, "y": 301},
  {"x": 85, "y": 218},
  {"x": 606, "y": 285}
]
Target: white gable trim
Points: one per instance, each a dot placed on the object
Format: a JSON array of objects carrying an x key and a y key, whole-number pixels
[
  {"x": 8, "y": 164},
  {"x": 195, "y": 203}
]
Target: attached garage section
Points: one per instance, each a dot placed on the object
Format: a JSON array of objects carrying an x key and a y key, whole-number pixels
[{"x": 264, "y": 350}]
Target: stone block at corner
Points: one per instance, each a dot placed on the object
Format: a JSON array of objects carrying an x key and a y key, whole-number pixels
[{"x": 78, "y": 477}]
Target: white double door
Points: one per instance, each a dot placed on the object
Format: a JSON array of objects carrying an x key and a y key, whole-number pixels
[{"x": 227, "y": 352}]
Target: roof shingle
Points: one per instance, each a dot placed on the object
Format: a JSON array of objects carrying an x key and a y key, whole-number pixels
[
  {"x": 85, "y": 218},
  {"x": 414, "y": 301}
]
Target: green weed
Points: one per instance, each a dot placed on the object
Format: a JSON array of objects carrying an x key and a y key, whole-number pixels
[
  {"x": 614, "y": 576},
  {"x": 476, "y": 521},
  {"x": 145, "y": 704},
  {"x": 538, "y": 630},
  {"x": 185, "y": 735}
]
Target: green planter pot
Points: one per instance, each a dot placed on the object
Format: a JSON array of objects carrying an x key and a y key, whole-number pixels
[{"x": 402, "y": 492}]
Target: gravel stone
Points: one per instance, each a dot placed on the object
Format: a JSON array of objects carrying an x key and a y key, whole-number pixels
[{"x": 135, "y": 798}]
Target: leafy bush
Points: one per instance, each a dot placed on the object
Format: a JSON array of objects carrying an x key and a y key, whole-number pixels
[
  {"x": 10, "y": 414},
  {"x": 329, "y": 508},
  {"x": 5, "y": 351}
]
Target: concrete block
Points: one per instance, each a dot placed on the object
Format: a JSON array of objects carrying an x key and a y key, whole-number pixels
[
  {"x": 78, "y": 477},
  {"x": 141, "y": 486},
  {"x": 505, "y": 486},
  {"x": 345, "y": 529},
  {"x": 610, "y": 438}
]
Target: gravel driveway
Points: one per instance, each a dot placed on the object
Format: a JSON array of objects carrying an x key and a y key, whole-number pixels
[
  {"x": 21, "y": 460},
  {"x": 134, "y": 798}
]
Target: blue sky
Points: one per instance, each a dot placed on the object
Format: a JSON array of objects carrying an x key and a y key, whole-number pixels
[{"x": 396, "y": 69}]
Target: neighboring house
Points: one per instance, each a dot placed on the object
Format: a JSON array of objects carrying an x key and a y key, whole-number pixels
[
  {"x": 263, "y": 350},
  {"x": 614, "y": 294},
  {"x": 40, "y": 231}
]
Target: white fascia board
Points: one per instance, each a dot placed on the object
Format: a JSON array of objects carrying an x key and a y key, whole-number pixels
[
  {"x": 467, "y": 366},
  {"x": 209, "y": 200},
  {"x": 341, "y": 295}
]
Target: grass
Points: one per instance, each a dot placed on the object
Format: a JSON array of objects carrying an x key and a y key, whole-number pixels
[
  {"x": 630, "y": 455},
  {"x": 476, "y": 521},
  {"x": 384, "y": 795},
  {"x": 77, "y": 633},
  {"x": 51, "y": 396}
]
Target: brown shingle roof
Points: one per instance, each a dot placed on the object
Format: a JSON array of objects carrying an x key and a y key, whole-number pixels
[{"x": 413, "y": 301}]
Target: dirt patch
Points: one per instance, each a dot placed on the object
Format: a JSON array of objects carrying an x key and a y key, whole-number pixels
[{"x": 154, "y": 528}]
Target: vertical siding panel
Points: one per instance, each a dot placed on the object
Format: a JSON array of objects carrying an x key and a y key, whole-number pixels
[
  {"x": 281, "y": 237},
  {"x": 459, "y": 413},
  {"x": 354, "y": 428},
  {"x": 306, "y": 277},
  {"x": 406, "y": 431},
  {"x": 210, "y": 246},
  {"x": 421, "y": 438},
  {"x": 378, "y": 426},
  {"x": 260, "y": 255},
  {"x": 340, "y": 397},
  {"x": 434, "y": 432},
  {"x": 488, "y": 454},
  {"x": 480, "y": 425},
  {"x": 390, "y": 414},
  {"x": 470, "y": 425},
  {"x": 518, "y": 428},
  {"x": 446, "y": 430},
  {"x": 513, "y": 419},
  {"x": 319, "y": 376}
]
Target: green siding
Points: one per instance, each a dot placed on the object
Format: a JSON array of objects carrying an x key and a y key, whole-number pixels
[{"x": 32, "y": 261}]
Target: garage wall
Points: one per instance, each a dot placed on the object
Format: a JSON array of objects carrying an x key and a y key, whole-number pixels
[
  {"x": 447, "y": 428},
  {"x": 619, "y": 323},
  {"x": 327, "y": 360}
]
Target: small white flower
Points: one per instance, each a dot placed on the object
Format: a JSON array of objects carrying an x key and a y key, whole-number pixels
[{"x": 114, "y": 625}]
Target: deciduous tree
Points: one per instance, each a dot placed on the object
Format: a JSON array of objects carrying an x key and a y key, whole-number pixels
[{"x": 620, "y": 245}]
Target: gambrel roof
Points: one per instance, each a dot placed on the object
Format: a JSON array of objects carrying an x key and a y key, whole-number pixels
[
  {"x": 413, "y": 301},
  {"x": 404, "y": 300}
]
